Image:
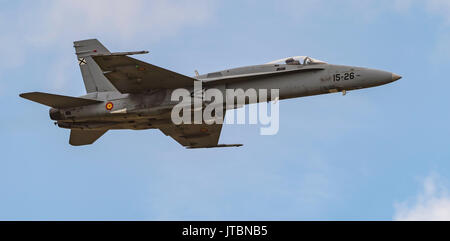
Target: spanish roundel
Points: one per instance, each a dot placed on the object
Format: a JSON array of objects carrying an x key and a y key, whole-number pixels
[{"x": 109, "y": 106}]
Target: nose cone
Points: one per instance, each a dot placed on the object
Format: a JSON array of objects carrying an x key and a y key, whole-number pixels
[
  {"x": 395, "y": 77},
  {"x": 374, "y": 77}
]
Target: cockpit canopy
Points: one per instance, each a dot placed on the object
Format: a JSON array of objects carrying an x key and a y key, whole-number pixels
[{"x": 297, "y": 60}]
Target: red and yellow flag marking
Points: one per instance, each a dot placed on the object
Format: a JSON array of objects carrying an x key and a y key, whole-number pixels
[{"x": 109, "y": 106}]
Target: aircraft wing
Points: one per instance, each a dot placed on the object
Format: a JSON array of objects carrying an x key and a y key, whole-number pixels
[
  {"x": 194, "y": 135},
  {"x": 130, "y": 75}
]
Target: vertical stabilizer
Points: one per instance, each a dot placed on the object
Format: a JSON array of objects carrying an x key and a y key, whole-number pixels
[{"x": 93, "y": 77}]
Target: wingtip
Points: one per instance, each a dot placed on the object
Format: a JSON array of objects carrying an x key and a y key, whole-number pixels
[{"x": 24, "y": 95}]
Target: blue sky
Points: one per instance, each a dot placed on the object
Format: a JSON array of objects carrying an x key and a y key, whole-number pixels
[{"x": 376, "y": 154}]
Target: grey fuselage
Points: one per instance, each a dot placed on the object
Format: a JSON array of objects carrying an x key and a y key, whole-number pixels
[{"x": 152, "y": 109}]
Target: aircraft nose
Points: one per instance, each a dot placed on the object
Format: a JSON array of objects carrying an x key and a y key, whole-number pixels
[
  {"x": 374, "y": 77},
  {"x": 396, "y": 77}
]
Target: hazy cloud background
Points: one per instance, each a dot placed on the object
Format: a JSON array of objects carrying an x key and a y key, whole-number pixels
[
  {"x": 431, "y": 203},
  {"x": 352, "y": 157}
]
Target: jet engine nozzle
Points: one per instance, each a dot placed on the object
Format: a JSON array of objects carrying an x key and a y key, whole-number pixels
[{"x": 55, "y": 114}]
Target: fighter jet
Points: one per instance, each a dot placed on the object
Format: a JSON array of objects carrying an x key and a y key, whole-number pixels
[{"x": 126, "y": 93}]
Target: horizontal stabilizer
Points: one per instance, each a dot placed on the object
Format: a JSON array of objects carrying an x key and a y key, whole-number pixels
[
  {"x": 57, "y": 101},
  {"x": 85, "y": 137}
]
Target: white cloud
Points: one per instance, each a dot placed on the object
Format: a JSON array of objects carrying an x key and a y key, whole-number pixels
[
  {"x": 402, "y": 5},
  {"x": 115, "y": 18},
  {"x": 365, "y": 10},
  {"x": 436, "y": 7},
  {"x": 13, "y": 55},
  {"x": 432, "y": 203},
  {"x": 51, "y": 26},
  {"x": 441, "y": 7},
  {"x": 309, "y": 10}
]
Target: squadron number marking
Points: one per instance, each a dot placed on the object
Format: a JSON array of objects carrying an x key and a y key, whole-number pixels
[{"x": 344, "y": 76}]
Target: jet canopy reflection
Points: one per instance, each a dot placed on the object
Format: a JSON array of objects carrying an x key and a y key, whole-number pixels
[{"x": 297, "y": 60}]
